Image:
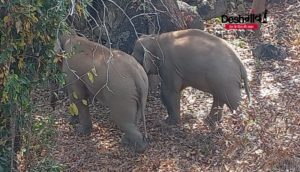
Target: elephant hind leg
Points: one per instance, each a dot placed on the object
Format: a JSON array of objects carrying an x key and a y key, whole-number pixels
[
  {"x": 78, "y": 95},
  {"x": 215, "y": 114},
  {"x": 126, "y": 120},
  {"x": 133, "y": 137},
  {"x": 231, "y": 97}
]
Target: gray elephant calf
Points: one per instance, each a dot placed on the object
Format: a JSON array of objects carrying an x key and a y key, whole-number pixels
[
  {"x": 111, "y": 76},
  {"x": 193, "y": 58}
]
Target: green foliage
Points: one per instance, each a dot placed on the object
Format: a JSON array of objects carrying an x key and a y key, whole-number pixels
[
  {"x": 73, "y": 109},
  {"x": 81, "y": 7},
  {"x": 28, "y": 29},
  {"x": 240, "y": 43},
  {"x": 4, "y": 156},
  {"x": 48, "y": 164},
  {"x": 218, "y": 20}
]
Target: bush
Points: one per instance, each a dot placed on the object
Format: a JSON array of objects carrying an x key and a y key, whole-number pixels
[{"x": 28, "y": 30}]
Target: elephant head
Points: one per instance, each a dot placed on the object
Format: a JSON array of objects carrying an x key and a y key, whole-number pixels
[
  {"x": 145, "y": 52},
  {"x": 62, "y": 38}
]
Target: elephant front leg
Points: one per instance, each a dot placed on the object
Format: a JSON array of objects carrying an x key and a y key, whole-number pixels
[
  {"x": 132, "y": 136},
  {"x": 171, "y": 100},
  {"x": 85, "y": 123},
  {"x": 79, "y": 97},
  {"x": 125, "y": 118}
]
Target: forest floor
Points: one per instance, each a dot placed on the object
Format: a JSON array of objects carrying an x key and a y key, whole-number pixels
[{"x": 263, "y": 136}]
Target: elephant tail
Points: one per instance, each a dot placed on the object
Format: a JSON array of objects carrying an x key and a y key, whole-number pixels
[
  {"x": 246, "y": 83},
  {"x": 142, "y": 86}
]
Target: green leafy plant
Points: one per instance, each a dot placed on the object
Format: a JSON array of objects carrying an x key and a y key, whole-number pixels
[{"x": 28, "y": 30}]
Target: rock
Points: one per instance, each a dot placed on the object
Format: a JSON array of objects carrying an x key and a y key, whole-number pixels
[
  {"x": 168, "y": 18},
  {"x": 122, "y": 32},
  {"x": 195, "y": 23},
  {"x": 183, "y": 6},
  {"x": 191, "y": 17},
  {"x": 241, "y": 9},
  {"x": 191, "y": 2},
  {"x": 211, "y": 9},
  {"x": 269, "y": 52},
  {"x": 123, "y": 35}
]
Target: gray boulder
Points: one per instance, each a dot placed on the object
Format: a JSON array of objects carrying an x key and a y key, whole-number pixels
[
  {"x": 212, "y": 9},
  {"x": 190, "y": 15}
]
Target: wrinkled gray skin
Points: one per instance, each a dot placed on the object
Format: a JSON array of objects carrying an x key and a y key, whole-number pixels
[
  {"x": 193, "y": 58},
  {"x": 125, "y": 93}
]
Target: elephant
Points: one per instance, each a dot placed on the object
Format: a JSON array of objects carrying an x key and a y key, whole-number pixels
[
  {"x": 193, "y": 58},
  {"x": 95, "y": 72}
]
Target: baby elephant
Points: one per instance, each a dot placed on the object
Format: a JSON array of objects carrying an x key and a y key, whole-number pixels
[
  {"x": 113, "y": 77},
  {"x": 193, "y": 58}
]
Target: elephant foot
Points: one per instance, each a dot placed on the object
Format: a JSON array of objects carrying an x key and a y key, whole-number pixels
[
  {"x": 139, "y": 146},
  {"x": 125, "y": 141},
  {"x": 214, "y": 117},
  {"x": 73, "y": 120},
  {"x": 213, "y": 121},
  {"x": 172, "y": 120},
  {"x": 82, "y": 130}
]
